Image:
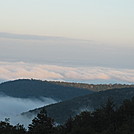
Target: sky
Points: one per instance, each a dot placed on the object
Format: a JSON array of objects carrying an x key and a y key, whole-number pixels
[{"x": 75, "y": 40}]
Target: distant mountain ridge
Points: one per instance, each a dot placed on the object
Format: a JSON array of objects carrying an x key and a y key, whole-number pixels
[
  {"x": 25, "y": 88},
  {"x": 93, "y": 87},
  {"x": 79, "y": 104},
  {"x": 30, "y": 88}
]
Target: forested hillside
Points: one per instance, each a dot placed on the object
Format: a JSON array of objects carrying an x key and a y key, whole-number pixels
[
  {"x": 107, "y": 119},
  {"x": 63, "y": 110},
  {"x": 26, "y": 88}
]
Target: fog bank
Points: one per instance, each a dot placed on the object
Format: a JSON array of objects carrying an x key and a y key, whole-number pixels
[{"x": 11, "y": 107}]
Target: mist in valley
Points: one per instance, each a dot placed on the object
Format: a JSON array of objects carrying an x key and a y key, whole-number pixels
[{"x": 11, "y": 107}]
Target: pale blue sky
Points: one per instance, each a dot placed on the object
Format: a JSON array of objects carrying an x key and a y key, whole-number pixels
[
  {"x": 105, "y": 21},
  {"x": 77, "y": 40}
]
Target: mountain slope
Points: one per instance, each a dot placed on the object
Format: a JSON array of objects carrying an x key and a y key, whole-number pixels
[
  {"x": 25, "y": 88},
  {"x": 63, "y": 110}
]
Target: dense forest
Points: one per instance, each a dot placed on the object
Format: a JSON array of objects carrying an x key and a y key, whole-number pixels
[
  {"x": 76, "y": 105},
  {"x": 108, "y": 119}
]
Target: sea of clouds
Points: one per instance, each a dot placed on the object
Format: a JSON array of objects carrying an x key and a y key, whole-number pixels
[{"x": 20, "y": 70}]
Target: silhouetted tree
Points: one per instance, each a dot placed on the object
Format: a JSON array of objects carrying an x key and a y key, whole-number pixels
[
  {"x": 6, "y": 128},
  {"x": 42, "y": 124}
]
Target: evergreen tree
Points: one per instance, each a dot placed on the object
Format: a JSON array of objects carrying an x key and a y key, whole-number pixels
[{"x": 42, "y": 124}]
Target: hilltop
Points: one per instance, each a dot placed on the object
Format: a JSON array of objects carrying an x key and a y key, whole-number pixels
[{"x": 30, "y": 88}]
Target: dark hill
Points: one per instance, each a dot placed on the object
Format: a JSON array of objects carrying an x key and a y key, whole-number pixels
[
  {"x": 25, "y": 88},
  {"x": 63, "y": 110}
]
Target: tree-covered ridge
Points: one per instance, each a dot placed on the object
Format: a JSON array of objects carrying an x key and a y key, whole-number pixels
[
  {"x": 94, "y": 87},
  {"x": 108, "y": 119},
  {"x": 26, "y": 88},
  {"x": 63, "y": 110}
]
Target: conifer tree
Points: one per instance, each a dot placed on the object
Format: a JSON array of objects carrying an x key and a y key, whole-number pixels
[{"x": 42, "y": 124}]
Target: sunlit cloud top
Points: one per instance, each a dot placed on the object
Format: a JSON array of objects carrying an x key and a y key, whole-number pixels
[{"x": 20, "y": 70}]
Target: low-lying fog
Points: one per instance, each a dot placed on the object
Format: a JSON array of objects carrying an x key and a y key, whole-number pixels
[{"x": 11, "y": 107}]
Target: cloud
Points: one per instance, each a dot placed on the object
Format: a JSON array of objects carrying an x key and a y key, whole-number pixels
[
  {"x": 19, "y": 70},
  {"x": 35, "y": 37},
  {"x": 60, "y": 50},
  {"x": 26, "y": 37}
]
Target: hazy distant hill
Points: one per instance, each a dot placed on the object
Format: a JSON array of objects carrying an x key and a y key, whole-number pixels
[
  {"x": 93, "y": 87},
  {"x": 25, "y": 88},
  {"x": 63, "y": 110}
]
